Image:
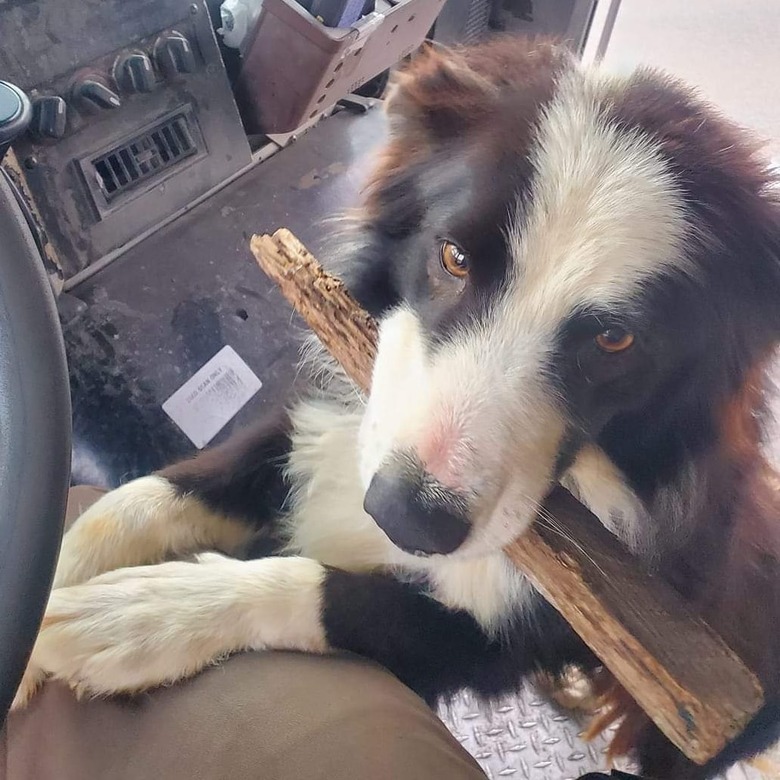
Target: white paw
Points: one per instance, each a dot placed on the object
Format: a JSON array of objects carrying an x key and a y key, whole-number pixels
[
  {"x": 142, "y": 522},
  {"x": 138, "y": 628},
  {"x": 133, "y": 629},
  {"x": 115, "y": 531}
]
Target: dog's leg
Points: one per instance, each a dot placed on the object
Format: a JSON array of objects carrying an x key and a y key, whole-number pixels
[
  {"x": 134, "y": 629},
  {"x": 213, "y": 501},
  {"x": 216, "y": 500}
]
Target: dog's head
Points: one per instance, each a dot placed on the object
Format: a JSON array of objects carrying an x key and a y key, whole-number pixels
[{"x": 559, "y": 257}]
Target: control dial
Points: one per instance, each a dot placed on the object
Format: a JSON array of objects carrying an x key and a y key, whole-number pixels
[
  {"x": 134, "y": 72},
  {"x": 50, "y": 116},
  {"x": 174, "y": 54},
  {"x": 92, "y": 92}
]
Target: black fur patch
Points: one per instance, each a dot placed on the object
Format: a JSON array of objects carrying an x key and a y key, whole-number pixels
[
  {"x": 243, "y": 478},
  {"x": 437, "y": 651}
]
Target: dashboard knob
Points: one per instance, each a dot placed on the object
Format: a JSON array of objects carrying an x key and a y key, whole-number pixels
[
  {"x": 134, "y": 72},
  {"x": 174, "y": 54},
  {"x": 93, "y": 93},
  {"x": 50, "y": 116}
]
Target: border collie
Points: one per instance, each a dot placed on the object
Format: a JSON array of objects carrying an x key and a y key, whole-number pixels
[{"x": 577, "y": 278}]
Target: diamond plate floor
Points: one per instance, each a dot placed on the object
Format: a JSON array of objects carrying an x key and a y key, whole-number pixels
[{"x": 525, "y": 737}]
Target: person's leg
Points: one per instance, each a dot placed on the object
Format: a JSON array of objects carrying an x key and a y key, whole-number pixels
[{"x": 266, "y": 716}]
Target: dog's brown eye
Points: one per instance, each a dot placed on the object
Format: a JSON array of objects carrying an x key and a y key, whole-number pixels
[
  {"x": 453, "y": 259},
  {"x": 614, "y": 340}
]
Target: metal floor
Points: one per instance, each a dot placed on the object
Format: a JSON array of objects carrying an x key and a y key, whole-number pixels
[
  {"x": 526, "y": 737},
  {"x": 143, "y": 325}
]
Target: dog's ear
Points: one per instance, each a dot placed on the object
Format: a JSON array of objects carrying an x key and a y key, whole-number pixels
[
  {"x": 437, "y": 96},
  {"x": 443, "y": 92}
]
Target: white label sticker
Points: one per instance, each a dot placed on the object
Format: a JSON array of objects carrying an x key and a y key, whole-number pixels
[{"x": 208, "y": 401}]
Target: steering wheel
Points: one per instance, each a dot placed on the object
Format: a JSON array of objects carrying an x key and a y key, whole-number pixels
[{"x": 35, "y": 428}]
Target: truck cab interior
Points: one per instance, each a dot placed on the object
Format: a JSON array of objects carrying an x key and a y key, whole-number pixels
[{"x": 142, "y": 143}]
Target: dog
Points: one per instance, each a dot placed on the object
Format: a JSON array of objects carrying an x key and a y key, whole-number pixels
[{"x": 577, "y": 280}]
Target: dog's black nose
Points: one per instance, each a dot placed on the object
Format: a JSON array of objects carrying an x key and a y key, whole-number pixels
[{"x": 414, "y": 517}]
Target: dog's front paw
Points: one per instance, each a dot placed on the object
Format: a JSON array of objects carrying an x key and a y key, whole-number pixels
[
  {"x": 138, "y": 628},
  {"x": 134, "y": 629},
  {"x": 143, "y": 522}
]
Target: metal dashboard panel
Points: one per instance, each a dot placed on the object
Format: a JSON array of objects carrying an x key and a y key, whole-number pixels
[
  {"x": 51, "y": 170},
  {"x": 42, "y": 39}
]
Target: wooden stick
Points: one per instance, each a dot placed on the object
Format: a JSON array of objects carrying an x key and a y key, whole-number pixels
[{"x": 695, "y": 689}]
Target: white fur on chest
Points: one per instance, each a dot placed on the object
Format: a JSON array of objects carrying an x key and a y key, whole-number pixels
[{"x": 326, "y": 521}]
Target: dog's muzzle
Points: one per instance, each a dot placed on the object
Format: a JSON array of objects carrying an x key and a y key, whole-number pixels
[{"x": 417, "y": 515}]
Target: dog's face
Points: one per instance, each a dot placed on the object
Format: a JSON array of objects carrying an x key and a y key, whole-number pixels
[{"x": 552, "y": 277}]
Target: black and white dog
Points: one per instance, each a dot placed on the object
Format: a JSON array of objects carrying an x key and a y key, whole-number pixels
[{"x": 578, "y": 281}]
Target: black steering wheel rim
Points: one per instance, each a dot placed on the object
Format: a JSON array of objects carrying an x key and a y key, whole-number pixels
[{"x": 35, "y": 441}]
